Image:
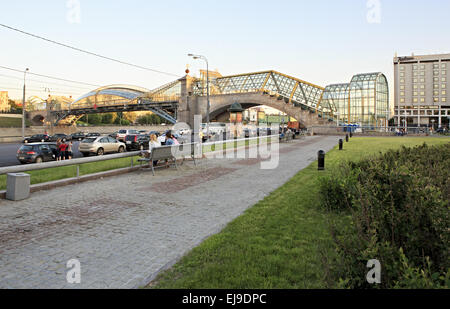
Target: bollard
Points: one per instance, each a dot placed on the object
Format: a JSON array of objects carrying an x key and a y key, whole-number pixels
[
  {"x": 321, "y": 155},
  {"x": 351, "y": 134},
  {"x": 346, "y": 138},
  {"x": 341, "y": 144}
]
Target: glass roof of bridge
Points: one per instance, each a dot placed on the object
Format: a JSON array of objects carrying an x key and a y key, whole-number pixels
[{"x": 122, "y": 91}]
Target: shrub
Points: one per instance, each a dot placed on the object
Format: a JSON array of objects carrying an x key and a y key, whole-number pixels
[{"x": 399, "y": 207}]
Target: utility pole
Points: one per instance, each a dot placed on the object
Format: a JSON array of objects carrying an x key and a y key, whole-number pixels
[{"x": 23, "y": 104}]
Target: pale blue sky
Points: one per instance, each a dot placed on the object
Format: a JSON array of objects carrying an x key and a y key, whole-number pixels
[{"x": 322, "y": 41}]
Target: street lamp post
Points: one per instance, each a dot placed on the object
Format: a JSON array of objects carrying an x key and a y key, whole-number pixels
[
  {"x": 23, "y": 103},
  {"x": 208, "y": 106}
]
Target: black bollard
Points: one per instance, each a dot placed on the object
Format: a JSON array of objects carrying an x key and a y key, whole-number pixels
[
  {"x": 346, "y": 138},
  {"x": 321, "y": 156},
  {"x": 341, "y": 144}
]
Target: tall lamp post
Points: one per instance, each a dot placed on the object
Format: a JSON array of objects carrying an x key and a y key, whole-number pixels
[
  {"x": 208, "y": 106},
  {"x": 23, "y": 103}
]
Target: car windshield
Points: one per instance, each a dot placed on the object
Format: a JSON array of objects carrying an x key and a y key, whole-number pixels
[
  {"x": 89, "y": 140},
  {"x": 123, "y": 131},
  {"x": 130, "y": 137}
]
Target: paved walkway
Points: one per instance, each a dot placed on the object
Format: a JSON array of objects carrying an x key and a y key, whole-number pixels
[{"x": 125, "y": 229}]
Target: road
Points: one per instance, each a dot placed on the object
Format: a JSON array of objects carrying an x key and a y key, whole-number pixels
[{"x": 8, "y": 153}]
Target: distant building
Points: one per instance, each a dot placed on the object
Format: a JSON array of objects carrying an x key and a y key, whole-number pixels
[
  {"x": 4, "y": 102},
  {"x": 422, "y": 90}
]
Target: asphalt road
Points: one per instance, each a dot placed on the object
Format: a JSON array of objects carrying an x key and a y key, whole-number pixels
[{"x": 8, "y": 153}]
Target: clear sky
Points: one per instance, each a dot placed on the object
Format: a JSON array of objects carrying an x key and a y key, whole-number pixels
[{"x": 321, "y": 41}]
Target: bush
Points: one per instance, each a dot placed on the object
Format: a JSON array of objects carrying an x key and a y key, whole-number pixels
[{"x": 399, "y": 207}]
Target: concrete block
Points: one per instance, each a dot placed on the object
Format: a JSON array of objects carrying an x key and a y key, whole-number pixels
[{"x": 17, "y": 186}]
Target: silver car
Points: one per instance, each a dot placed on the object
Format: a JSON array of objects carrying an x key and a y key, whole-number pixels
[{"x": 100, "y": 145}]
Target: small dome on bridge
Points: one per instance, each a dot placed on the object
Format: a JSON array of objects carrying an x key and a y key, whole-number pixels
[{"x": 236, "y": 108}]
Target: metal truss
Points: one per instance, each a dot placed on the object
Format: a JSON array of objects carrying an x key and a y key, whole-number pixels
[{"x": 294, "y": 91}]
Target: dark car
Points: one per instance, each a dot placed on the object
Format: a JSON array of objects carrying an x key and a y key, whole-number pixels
[
  {"x": 93, "y": 135},
  {"x": 60, "y": 136},
  {"x": 137, "y": 142},
  {"x": 37, "y": 153},
  {"x": 38, "y": 138},
  {"x": 78, "y": 136}
]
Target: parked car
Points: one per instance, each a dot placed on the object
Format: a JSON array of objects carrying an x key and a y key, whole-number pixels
[
  {"x": 100, "y": 145},
  {"x": 61, "y": 136},
  {"x": 137, "y": 142},
  {"x": 114, "y": 135},
  {"x": 37, "y": 138},
  {"x": 37, "y": 153},
  {"x": 93, "y": 135},
  {"x": 78, "y": 136},
  {"x": 123, "y": 133},
  {"x": 142, "y": 132}
]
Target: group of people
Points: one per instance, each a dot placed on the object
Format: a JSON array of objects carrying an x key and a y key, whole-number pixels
[
  {"x": 164, "y": 140},
  {"x": 63, "y": 150}
]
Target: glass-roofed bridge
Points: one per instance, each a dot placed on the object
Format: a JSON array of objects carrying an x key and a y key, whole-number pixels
[{"x": 365, "y": 99}]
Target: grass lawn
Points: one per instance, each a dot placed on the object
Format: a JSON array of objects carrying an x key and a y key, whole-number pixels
[
  {"x": 7, "y": 122},
  {"x": 279, "y": 242}
]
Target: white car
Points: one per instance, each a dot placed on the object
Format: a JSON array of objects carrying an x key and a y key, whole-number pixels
[
  {"x": 100, "y": 145},
  {"x": 122, "y": 134}
]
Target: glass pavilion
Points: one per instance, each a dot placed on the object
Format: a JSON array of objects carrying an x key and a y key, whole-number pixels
[{"x": 364, "y": 101}]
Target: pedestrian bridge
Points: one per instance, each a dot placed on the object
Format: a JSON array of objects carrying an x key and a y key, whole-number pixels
[{"x": 181, "y": 99}]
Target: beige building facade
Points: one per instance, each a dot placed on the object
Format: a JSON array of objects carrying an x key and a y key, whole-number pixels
[
  {"x": 4, "y": 102},
  {"x": 422, "y": 91}
]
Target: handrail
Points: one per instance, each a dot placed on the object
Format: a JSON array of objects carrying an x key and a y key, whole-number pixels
[{"x": 42, "y": 166}]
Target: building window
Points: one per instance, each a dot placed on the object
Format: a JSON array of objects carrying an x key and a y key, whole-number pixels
[
  {"x": 422, "y": 80},
  {"x": 444, "y": 72},
  {"x": 402, "y": 93},
  {"x": 422, "y": 73},
  {"x": 444, "y": 92},
  {"x": 402, "y": 87},
  {"x": 415, "y": 67},
  {"x": 444, "y": 79},
  {"x": 444, "y": 100},
  {"x": 422, "y": 86},
  {"x": 444, "y": 65},
  {"x": 422, "y": 66},
  {"x": 402, "y": 80},
  {"x": 416, "y": 87},
  {"x": 444, "y": 85},
  {"x": 402, "y": 68},
  {"x": 436, "y": 86},
  {"x": 415, "y": 100},
  {"x": 436, "y": 92},
  {"x": 415, "y": 93},
  {"x": 422, "y": 100},
  {"x": 402, "y": 100},
  {"x": 436, "y": 66},
  {"x": 436, "y": 100},
  {"x": 436, "y": 79},
  {"x": 415, "y": 73},
  {"x": 422, "y": 93},
  {"x": 402, "y": 74}
]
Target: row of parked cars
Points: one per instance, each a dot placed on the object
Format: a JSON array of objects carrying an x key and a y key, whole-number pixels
[
  {"x": 42, "y": 147},
  {"x": 43, "y": 138}
]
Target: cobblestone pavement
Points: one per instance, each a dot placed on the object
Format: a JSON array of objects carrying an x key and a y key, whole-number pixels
[{"x": 125, "y": 229}]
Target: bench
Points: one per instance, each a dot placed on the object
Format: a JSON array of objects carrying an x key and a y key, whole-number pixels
[{"x": 170, "y": 154}]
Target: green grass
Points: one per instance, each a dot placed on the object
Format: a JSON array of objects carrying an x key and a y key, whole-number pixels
[
  {"x": 279, "y": 242},
  {"x": 7, "y": 122}
]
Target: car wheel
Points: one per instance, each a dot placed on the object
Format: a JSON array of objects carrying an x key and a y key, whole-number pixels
[
  {"x": 100, "y": 152},
  {"x": 38, "y": 160},
  {"x": 121, "y": 149}
]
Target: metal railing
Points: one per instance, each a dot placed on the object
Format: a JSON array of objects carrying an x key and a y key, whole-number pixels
[{"x": 77, "y": 162}]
